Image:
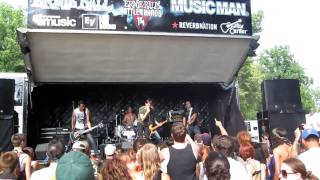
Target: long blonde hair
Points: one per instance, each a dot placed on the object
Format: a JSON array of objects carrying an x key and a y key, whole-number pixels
[{"x": 148, "y": 158}]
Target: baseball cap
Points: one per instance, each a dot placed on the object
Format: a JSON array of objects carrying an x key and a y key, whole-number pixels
[
  {"x": 310, "y": 131},
  {"x": 74, "y": 166},
  {"x": 79, "y": 145},
  {"x": 110, "y": 149}
]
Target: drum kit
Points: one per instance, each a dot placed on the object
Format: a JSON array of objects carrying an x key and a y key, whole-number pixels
[{"x": 125, "y": 132}]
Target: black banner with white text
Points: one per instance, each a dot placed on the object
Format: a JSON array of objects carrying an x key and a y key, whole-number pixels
[{"x": 227, "y": 17}]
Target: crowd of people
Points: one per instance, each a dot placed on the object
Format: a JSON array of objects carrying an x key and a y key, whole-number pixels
[{"x": 221, "y": 157}]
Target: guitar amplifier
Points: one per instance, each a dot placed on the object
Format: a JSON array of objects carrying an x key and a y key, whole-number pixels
[{"x": 176, "y": 115}]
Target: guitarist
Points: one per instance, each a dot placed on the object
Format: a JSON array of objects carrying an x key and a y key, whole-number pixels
[
  {"x": 81, "y": 121},
  {"x": 145, "y": 119},
  {"x": 190, "y": 119}
]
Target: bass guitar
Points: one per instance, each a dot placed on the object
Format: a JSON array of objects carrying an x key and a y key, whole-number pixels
[
  {"x": 75, "y": 136},
  {"x": 155, "y": 127}
]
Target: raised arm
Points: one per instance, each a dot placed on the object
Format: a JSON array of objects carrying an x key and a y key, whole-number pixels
[
  {"x": 88, "y": 118},
  {"x": 143, "y": 116},
  {"x": 220, "y": 126}
]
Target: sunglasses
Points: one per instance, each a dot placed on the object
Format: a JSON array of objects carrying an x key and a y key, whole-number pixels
[{"x": 284, "y": 173}]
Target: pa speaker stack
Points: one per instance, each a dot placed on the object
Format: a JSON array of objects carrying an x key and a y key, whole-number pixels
[
  {"x": 282, "y": 107},
  {"x": 6, "y": 113}
]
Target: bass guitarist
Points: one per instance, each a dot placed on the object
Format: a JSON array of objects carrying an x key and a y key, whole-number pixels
[
  {"x": 190, "y": 119},
  {"x": 145, "y": 119},
  {"x": 81, "y": 121}
]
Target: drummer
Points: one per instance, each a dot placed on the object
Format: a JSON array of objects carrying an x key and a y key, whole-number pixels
[{"x": 129, "y": 118}]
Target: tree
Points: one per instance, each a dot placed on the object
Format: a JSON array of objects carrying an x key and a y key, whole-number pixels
[
  {"x": 279, "y": 63},
  {"x": 257, "y": 22},
  {"x": 250, "y": 78},
  {"x": 10, "y": 54}
]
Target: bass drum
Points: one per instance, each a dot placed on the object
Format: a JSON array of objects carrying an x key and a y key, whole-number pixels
[
  {"x": 118, "y": 131},
  {"x": 129, "y": 132}
]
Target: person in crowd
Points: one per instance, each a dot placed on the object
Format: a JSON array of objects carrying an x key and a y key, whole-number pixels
[
  {"x": 203, "y": 154},
  {"x": 266, "y": 156},
  {"x": 282, "y": 149},
  {"x": 115, "y": 169},
  {"x": 225, "y": 145},
  {"x": 55, "y": 150},
  {"x": 129, "y": 118},
  {"x": 149, "y": 160},
  {"x": 109, "y": 151},
  {"x": 217, "y": 167},
  {"x": 294, "y": 169},
  {"x": 8, "y": 164},
  {"x": 311, "y": 157},
  {"x": 256, "y": 169},
  {"x": 74, "y": 165},
  {"x": 130, "y": 159},
  {"x": 81, "y": 146},
  {"x": 244, "y": 137},
  {"x": 180, "y": 159},
  {"x": 24, "y": 167},
  {"x": 138, "y": 144}
]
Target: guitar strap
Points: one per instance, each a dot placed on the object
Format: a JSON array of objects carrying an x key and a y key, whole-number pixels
[
  {"x": 190, "y": 113},
  {"x": 85, "y": 117}
]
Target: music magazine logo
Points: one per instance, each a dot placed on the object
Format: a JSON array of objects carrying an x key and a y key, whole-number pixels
[{"x": 233, "y": 27}]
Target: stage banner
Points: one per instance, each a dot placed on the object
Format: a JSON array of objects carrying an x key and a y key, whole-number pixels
[{"x": 226, "y": 17}]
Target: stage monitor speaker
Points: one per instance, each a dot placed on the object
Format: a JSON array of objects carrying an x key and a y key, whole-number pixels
[
  {"x": 6, "y": 131},
  {"x": 281, "y": 95},
  {"x": 41, "y": 151},
  {"x": 267, "y": 121},
  {"x": 6, "y": 98}
]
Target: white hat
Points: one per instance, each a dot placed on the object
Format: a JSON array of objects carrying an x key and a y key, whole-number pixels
[
  {"x": 110, "y": 149},
  {"x": 79, "y": 145}
]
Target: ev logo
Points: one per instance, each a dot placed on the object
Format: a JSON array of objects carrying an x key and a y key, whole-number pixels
[{"x": 89, "y": 21}]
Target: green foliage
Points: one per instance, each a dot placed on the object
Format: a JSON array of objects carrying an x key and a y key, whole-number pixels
[
  {"x": 257, "y": 22},
  {"x": 250, "y": 78},
  {"x": 316, "y": 97},
  {"x": 10, "y": 54},
  {"x": 279, "y": 63},
  {"x": 275, "y": 63}
]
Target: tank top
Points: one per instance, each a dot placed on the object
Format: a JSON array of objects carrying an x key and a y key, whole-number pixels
[
  {"x": 182, "y": 164},
  {"x": 80, "y": 118}
]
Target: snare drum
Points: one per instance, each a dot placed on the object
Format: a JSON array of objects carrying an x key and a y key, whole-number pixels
[{"x": 118, "y": 131}]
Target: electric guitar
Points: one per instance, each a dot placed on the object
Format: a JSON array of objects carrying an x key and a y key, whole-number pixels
[
  {"x": 74, "y": 137},
  {"x": 155, "y": 127}
]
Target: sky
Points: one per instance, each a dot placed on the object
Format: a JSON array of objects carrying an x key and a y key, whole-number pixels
[
  {"x": 296, "y": 24},
  {"x": 286, "y": 22}
]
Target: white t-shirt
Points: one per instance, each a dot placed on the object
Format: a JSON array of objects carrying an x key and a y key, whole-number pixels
[
  {"x": 237, "y": 170},
  {"x": 311, "y": 159},
  {"x": 48, "y": 173},
  {"x": 80, "y": 118}
]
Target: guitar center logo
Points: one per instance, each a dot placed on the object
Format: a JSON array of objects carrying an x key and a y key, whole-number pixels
[
  {"x": 233, "y": 27},
  {"x": 53, "y": 21},
  {"x": 89, "y": 21}
]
